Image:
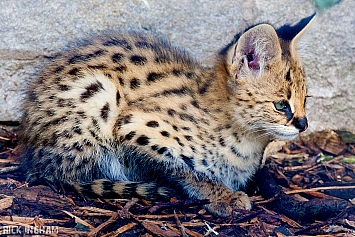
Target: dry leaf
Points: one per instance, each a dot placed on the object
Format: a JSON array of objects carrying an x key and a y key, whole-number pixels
[
  {"x": 155, "y": 229},
  {"x": 6, "y": 202},
  {"x": 330, "y": 141}
]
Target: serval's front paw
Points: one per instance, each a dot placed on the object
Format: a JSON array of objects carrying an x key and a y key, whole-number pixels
[{"x": 224, "y": 207}]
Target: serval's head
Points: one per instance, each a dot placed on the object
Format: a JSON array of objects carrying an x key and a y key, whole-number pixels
[{"x": 266, "y": 80}]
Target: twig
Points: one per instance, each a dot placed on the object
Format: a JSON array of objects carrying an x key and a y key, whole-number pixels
[
  {"x": 210, "y": 230},
  {"x": 97, "y": 210},
  {"x": 329, "y": 221},
  {"x": 120, "y": 230},
  {"x": 181, "y": 227},
  {"x": 78, "y": 220},
  {"x": 29, "y": 220},
  {"x": 292, "y": 208},
  {"x": 325, "y": 163},
  {"x": 167, "y": 216},
  {"x": 124, "y": 213},
  {"x": 314, "y": 194},
  {"x": 318, "y": 188},
  {"x": 296, "y": 168},
  {"x": 187, "y": 203},
  {"x": 5, "y": 138},
  {"x": 9, "y": 169}
]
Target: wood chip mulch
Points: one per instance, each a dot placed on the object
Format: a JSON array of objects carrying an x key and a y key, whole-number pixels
[{"x": 306, "y": 188}]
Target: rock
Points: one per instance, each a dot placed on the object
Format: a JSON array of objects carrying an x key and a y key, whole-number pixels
[{"x": 30, "y": 31}]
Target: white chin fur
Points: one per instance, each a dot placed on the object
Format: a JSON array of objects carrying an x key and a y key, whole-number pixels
[
  {"x": 286, "y": 136},
  {"x": 285, "y": 132},
  {"x": 281, "y": 131}
]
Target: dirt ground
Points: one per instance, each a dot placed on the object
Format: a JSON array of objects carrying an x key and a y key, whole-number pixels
[{"x": 306, "y": 188}]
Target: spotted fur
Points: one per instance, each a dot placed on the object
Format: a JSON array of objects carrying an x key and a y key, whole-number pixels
[{"x": 131, "y": 115}]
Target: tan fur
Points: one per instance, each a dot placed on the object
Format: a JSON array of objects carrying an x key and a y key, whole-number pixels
[{"x": 132, "y": 115}]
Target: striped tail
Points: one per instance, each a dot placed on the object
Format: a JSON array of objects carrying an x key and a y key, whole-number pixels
[{"x": 108, "y": 189}]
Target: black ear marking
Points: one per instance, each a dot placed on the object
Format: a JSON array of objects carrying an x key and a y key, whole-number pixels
[
  {"x": 288, "y": 75},
  {"x": 289, "y": 32}
]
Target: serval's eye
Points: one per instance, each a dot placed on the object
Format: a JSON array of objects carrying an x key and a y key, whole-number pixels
[{"x": 280, "y": 105}]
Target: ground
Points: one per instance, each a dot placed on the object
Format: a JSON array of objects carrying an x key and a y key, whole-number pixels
[{"x": 306, "y": 188}]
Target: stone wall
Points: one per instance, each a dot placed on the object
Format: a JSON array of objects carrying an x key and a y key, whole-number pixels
[{"x": 30, "y": 31}]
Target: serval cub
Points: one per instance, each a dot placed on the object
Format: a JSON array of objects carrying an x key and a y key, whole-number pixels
[{"x": 132, "y": 115}]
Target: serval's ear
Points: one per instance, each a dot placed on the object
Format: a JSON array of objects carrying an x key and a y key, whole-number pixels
[
  {"x": 254, "y": 50},
  {"x": 292, "y": 34}
]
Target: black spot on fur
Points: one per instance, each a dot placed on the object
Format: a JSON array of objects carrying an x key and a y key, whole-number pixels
[
  {"x": 95, "y": 123},
  {"x": 152, "y": 124},
  {"x": 176, "y": 91},
  {"x": 187, "y": 117},
  {"x": 155, "y": 147},
  {"x": 77, "y": 130},
  {"x": 50, "y": 112},
  {"x": 78, "y": 58},
  {"x": 130, "y": 135},
  {"x": 117, "y": 57},
  {"x": 205, "y": 163},
  {"x": 98, "y": 52},
  {"x": 118, "y": 98},
  {"x": 78, "y": 146},
  {"x": 135, "y": 83},
  {"x": 175, "y": 128},
  {"x": 138, "y": 60},
  {"x": 104, "y": 111},
  {"x": 142, "y": 45},
  {"x": 222, "y": 142},
  {"x": 236, "y": 152},
  {"x": 67, "y": 134},
  {"x": 74, "y": 72},
  {"x": 172, "y": 112},
  {"x": 161, "y": 56},
  {"x": 91, "y": 90},
  {"x": 143, "y": 140},
  {"x": 152, "y": 77},
  {"x": 56, "y": 121},
  {"x": 189, "y": 138},
  {"x": 124, "y": 120},
  {"x": 81, "y": 114},
  {"x": 190, "y": 75},
  {"x": 64, "y": 87},
  {"x": 118, "y": 42},
  {"x": 58, "y": 69},
  {"x": 179, "y": 142},
  {"x": 169, "y": 155},
  {"x": 186, "y": 128},
  {"x": 189, "y": 161},
  {"x": 195, "y": 104},
  {"x": 121, "y": 69},
  {"x": 120, "y": 79},
  {"x": 87, "y": 143},
  {"x": 95, "y": 135},
  {"x": 176, "y": 72},
  {"x": 98, "y": 67},
  {"x": 162, "y": 150},
  {"x": 32, "y": 96},
  {"x": 205, "y": 86},
  {"x": 165, "y": 133}
]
